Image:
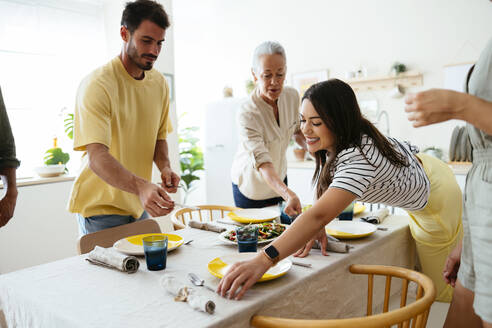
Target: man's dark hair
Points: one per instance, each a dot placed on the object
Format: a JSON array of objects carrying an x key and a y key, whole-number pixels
[{"x": 137, "y": 11}]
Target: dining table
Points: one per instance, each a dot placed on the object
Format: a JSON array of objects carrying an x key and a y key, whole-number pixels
[{"x": 74, "y": 293}]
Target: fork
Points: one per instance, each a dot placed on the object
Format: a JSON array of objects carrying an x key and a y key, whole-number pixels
[{"x": 199, "y": 282}]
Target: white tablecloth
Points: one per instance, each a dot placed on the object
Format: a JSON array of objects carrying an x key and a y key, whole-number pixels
[{"x": 74, "y": 293}]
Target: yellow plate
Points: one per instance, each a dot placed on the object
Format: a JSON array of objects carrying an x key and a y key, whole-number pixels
[
  {"x": 253, "y": 215},
  {"x": 349, "y": 229},
  {"x": 219, "y": 266},
  {"x": 133, "y": 245},
  {"x": 358, "y": 208}
]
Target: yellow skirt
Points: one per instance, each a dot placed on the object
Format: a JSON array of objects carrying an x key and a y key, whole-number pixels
[{"x": 437, "y": 227}]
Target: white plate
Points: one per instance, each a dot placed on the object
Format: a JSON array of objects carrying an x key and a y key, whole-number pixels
[
  {"x": 222, "y": 237},
  {"x": 132, "y": 245},
  {"x": 349, "y": 229},
  {"x": 253, "y": 215}
]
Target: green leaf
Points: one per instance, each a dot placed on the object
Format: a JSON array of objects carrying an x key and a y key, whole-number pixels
[{"x": 56, "y": 156}]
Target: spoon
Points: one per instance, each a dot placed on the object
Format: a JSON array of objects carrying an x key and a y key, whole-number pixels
[{"x": 199, "y": 282}]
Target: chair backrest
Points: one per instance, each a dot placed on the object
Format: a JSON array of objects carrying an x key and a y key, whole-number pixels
[
  {"x": 415, "y": 313},
  {"x": 205, "y": 214},
  {"x": 107, "y": 237}
]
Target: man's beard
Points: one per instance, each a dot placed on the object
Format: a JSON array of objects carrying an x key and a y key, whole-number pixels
[{"x": 135, "y": 57}]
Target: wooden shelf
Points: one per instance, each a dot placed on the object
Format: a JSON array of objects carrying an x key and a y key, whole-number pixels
[{"x": 406, "y": 80}]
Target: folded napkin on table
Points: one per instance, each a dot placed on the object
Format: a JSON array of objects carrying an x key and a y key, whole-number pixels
[
  {"x": 111, "y": 258},
  {"x": 187, "y": 294},
  {"x": 376, "y": 217},
  {"x": 334, "y": 246},
  {"x": 209, "y": 226}
]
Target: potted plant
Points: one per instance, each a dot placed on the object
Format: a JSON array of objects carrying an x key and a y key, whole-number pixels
[
  {"x": 54, "y": 162},
  {"x": 398, "y": 68},
  {"x": 191, "y": 159}
]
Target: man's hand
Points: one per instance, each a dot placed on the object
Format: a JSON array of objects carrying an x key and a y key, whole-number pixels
[
  {"x": 321, "y": 238},
  {"x": 154, "y": 199},
  {"x": 7, "y": 206},
  {"x": 170, "y": 180}
]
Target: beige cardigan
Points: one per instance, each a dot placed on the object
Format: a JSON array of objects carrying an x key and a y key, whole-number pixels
[{"x": 262, "y": 140}]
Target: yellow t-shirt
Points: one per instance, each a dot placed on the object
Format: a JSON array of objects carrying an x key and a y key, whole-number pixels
[{"x": 126, "y": 115}]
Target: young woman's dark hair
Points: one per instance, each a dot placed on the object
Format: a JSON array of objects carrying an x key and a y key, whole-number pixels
[
  {"x": 337, "y": 106},
  {"x": 137, "y": 11}
]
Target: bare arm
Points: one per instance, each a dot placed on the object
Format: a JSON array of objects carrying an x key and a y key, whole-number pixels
[
  {"x": 245, "y": 274},
  {"x": 7, "y": 203},
  {"x": 170, "y": 180},
  {"x": 153, "y": 198},
  {"x": 293, "y": 206},
  {"x": 439, "y": 105}
]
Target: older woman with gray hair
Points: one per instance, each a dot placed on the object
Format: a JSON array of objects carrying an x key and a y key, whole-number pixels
[{"x": 267, "y": 121}]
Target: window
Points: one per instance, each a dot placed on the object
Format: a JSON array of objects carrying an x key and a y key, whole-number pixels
[{"x": 46, "y": 48}]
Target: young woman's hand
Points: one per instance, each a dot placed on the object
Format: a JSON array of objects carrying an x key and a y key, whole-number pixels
[
  {"x": 450, "y": 271},
  {"x": 321, "y": 238},
  {"x": 242, "y": 275}
]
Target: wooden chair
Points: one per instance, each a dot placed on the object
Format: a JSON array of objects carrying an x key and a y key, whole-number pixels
[
  {"x": 415, "y": 313},
  {"x": 205, "y": 214},
  {"x": 107, "y": 237}
]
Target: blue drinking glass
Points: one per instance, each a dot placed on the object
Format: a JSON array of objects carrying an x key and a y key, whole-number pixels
[
  {"x": 247, "y": 238},
  {"x": 348, "y": 213},
  {"x": 155, "y": 249}
]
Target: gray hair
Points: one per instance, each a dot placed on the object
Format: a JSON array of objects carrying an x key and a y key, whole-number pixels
[{"x": 267, "y": 48}]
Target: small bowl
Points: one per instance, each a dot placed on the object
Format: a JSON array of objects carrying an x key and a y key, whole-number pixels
[{"x": 48, "y": 171}]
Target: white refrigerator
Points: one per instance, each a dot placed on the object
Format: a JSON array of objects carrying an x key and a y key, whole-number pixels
[{"x": 221, "y": 139}]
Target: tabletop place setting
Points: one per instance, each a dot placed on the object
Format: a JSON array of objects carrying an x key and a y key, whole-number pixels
[{"x": 185, "y": 266}]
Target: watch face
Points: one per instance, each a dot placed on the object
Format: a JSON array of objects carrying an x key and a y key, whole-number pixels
[{"x": 271, "y": 252}]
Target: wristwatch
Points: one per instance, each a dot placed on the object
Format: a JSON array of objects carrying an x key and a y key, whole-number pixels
[{"x": 271, "y": 253}]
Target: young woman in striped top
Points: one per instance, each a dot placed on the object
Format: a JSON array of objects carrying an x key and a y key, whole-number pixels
[{"x": 354, "y": 161}]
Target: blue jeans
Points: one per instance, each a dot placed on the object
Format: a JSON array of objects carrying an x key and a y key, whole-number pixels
[
  {"x": 244, "y": 202},
  {"x": 101, "y": 222}
]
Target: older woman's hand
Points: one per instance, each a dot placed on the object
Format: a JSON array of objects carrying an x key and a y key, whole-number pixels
[
  {"x": 321, "y": 238},
  {"x": 293, "y": 206},
  {"x": 244, "y": 275}
]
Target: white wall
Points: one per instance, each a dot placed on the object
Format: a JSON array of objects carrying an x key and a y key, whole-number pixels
[
  {"x": 214, "y": 41},
  {"x": 42, "y": 230}
]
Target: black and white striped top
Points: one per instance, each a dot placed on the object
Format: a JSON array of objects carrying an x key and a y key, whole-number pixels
[{"x": 377, "y": 180}]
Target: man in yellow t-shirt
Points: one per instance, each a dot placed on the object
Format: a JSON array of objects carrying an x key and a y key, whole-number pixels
[{"x": 121, "y": 122}]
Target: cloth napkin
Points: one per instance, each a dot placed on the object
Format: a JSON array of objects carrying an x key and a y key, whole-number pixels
[
  {"x": 376, "y": 217},
  {"x": 187, "y": 294},
  {"x": 111, "y": 258},
  {"x": 334, "y": 246},
  {"x": 209, "y": 226}
]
